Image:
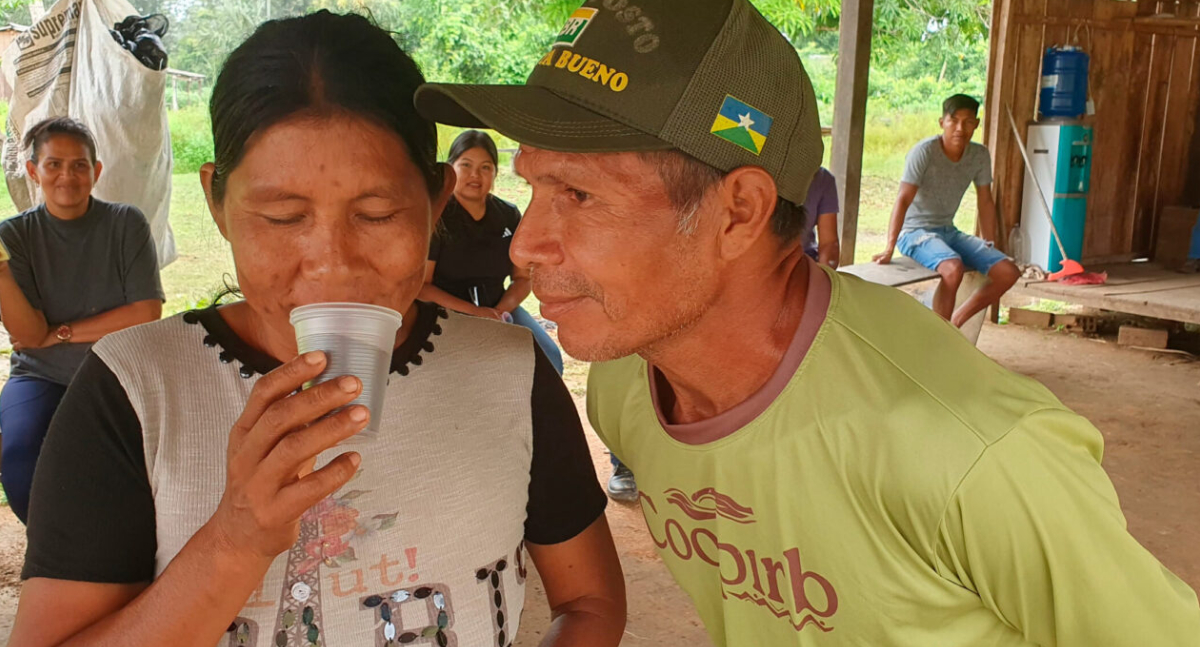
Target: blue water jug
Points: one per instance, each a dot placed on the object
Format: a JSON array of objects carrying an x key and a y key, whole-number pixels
[{"x": 1064, "y": 83}]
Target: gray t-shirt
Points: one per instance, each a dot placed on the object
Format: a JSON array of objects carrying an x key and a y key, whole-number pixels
[
  {"x": 942, "y": 183},
  {"x": 75, "y": 269}
]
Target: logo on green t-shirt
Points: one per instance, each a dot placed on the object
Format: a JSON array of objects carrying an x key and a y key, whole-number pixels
[{"x": 777, "y": 582}]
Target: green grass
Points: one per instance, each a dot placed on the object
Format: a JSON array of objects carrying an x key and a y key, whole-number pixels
[
  {"x": 1044, "y": 305},
  {"x": 191, "y": 138},
  {"x": 204, "y": 256},
  {"x": 1052, "y": 306}
]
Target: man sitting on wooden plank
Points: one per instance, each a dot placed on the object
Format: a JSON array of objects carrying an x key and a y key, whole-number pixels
[{"x": 937, "y": 173}]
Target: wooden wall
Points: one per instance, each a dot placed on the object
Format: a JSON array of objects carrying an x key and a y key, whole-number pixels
[{"x": 1145, "y": 82}]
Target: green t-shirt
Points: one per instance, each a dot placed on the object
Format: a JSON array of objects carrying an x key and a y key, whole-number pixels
[{"x": 890, "y": 485}]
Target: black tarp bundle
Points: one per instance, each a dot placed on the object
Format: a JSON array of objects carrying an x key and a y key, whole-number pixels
[{"x": 142, "y": 37}]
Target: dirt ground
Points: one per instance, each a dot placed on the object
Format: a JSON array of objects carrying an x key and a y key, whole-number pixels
[{"x": 1147, "y": 405}]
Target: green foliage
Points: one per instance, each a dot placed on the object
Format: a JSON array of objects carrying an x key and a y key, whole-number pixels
[
  {"x": 923, "y": 50},
  {"x": 799, "y": 20},
  {"x": 452, "y": 40},
  {"x": 15, "y": 11},
  {"x": 465, "y": 42},
  {"x": 204, "y": 32}
]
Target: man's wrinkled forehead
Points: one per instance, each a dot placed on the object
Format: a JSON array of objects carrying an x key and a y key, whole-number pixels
[{"x": 624, "y": 170}]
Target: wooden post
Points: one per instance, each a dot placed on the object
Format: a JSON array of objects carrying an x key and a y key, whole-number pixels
[
  {"x": 999, "y": 82},
  {"x": 998, "y": 74},
  {"x": 850, "y": 116}
]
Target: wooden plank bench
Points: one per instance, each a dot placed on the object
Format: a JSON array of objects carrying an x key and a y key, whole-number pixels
[
  {"x": 901, "y": 271},
  {"x": 1146, "y": 289}
]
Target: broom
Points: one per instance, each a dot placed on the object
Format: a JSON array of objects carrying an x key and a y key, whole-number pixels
[{"x": 1069, "y": 267}]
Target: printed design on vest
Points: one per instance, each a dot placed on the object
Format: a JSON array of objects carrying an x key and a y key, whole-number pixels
[
  {"x": 299, "y": 618},
  {"x": 243, "y": 632},
  {"x": 397, "y": 606},
  {"x": 328, "y": 531},
  {"x": 424, "y": 615},
  {"x": 777, "y": 583},
  {"x": 340, "y": 528},
  {"x": 491, "y": 575},
  {"x": 432, "y": 606}
]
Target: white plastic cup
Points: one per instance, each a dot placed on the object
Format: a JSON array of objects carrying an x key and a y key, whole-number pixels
[{"x": 357, "y": 340}]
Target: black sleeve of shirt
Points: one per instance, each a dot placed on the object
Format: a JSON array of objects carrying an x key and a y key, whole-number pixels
[
  {"x": 91, "y": 516},
  {"x": 514, "y": 215},
  {"x": 564, "y": 493}
]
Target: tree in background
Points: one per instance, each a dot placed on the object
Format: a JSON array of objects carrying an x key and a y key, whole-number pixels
[
  {"x": 204, "y": 32},
  {"x": 14, "y": 11},
  {"x": 451, "y": 39},
  {"x": 469, "y": 42},
  {"x": 933, "y": 48},
  {"x": 923, "y": 48},
  {"x": 920, "y": 48}
]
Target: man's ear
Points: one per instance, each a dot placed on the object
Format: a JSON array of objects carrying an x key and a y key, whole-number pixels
[
  {"x": 449, "y": 179},
  {"x": 31, "y": 170},
  {"x": 215, "y": 209},
  {"x": 747, "y": 197},
  {"x": 98, "y": 166}
]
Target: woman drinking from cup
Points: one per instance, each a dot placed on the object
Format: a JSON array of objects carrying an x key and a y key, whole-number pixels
[
  {"x": 468, "y": 258},
  {"x": 192, "y": 493}
]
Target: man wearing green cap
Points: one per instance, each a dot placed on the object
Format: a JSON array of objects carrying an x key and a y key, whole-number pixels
[{"x": 821, "y": 461}]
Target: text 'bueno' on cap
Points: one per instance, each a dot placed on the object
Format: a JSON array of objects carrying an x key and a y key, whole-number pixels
[{"x": 712, "y": 78}]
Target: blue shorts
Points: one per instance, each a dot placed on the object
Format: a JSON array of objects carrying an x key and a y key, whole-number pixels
[{"x": 935, "y": 245}]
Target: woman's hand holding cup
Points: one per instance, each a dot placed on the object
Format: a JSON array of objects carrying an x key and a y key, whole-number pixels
[{"x": 270, "y": 481}]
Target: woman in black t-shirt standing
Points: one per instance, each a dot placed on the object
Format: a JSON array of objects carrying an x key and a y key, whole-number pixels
[{"x": 468, "y": 257}]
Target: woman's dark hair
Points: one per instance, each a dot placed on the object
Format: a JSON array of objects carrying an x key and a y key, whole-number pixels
[
  {"x": 469, "y": 139},
  {"x": 318, "y": 65},
  {"x": 41, "y": 133}
]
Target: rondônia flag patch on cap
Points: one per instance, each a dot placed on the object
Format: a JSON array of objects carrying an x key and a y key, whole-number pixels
[{"x": 739, "y": 123}]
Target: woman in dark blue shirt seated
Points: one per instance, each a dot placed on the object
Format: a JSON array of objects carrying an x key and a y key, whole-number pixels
[
  {"x": 468, "y": 256},
  {"x": 80, "y": 268}
]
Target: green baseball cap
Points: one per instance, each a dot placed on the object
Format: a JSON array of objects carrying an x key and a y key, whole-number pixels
[{"x": 711, "y": 78}]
